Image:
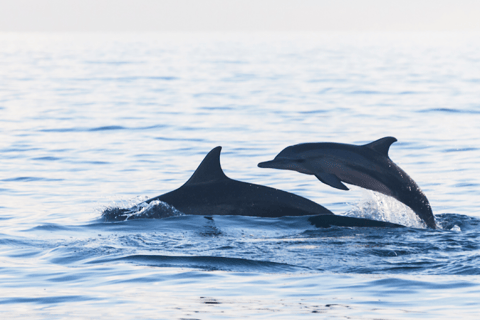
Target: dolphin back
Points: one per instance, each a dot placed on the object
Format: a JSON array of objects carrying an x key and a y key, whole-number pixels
[{"x": 210, "y": 192}]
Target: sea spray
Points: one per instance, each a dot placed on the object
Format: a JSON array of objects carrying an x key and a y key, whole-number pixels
[
  {"x": 139, "y": 209},
  {"x": 377, "y": 206}
]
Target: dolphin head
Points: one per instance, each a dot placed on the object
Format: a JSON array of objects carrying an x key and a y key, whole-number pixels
[{"x": 287, "y": 160}]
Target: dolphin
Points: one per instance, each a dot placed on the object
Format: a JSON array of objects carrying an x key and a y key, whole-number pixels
[
  {"x": 210, "y": 192},
  {"x": 367, "y": 166}
]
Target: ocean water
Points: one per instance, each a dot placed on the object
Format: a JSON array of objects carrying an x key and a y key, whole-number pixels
[{"x": 89, "y": 122}]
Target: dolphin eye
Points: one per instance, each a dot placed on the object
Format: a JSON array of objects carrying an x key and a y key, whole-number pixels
[{"x": 300, "y": 160}]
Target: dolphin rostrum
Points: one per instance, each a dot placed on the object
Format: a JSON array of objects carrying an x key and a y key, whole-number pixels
[
  {"x": 210, "y": 192},
  {"x": 367, "y": 166}
]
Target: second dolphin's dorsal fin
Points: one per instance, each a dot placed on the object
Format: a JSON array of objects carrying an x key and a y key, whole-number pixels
[
  {"x": 381, "y": 145},
  {"x": 209, "y": 170}
]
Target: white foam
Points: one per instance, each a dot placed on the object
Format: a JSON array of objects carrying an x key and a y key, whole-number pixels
[
  {"x": 456, "y": 228},
  {"x": 138, "y": 208},
  {"x": 376, "y": 206}
]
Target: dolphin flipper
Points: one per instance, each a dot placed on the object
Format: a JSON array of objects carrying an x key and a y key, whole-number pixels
[{"x": 331, "y": 179}]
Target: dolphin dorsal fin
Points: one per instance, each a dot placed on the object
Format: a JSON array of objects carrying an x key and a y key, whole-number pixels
[
  {"x": 209, "y": 170},
  {"x": 381, "y": 145}
]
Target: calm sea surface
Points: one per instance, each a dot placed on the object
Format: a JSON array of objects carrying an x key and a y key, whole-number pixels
[{"x": 89, "y": 122}]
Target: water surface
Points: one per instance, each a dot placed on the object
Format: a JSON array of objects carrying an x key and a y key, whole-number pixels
[{"x": 95, "y": 121}]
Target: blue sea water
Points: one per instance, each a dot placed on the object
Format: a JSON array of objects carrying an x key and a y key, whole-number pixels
[{"x": 89, "y": 122}]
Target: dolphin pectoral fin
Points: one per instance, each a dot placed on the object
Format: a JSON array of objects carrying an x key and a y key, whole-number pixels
[{"x": 331, "y": 179}]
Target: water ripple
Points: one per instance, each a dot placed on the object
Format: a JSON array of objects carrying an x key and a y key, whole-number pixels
[
  {"x": 46, "y": 300},
  {"x": 205, "y": 263},
  {"x": 116, "y": 116}
]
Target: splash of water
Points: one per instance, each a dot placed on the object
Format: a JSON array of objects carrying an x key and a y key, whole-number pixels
[
  {"x": 456, "y": 228},
  {"x": 376, "y": 206},
  {"x": 137, "y": 208}
]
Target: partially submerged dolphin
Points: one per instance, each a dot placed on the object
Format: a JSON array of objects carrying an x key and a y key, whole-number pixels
[
  {"x": 367, "y": 166},
  {"x": 210, "y": 192}
]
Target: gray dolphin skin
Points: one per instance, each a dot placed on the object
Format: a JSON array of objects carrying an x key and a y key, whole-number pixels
[
  {"x": 367, "y": 166},
  {"x": 210, "y": 192}
]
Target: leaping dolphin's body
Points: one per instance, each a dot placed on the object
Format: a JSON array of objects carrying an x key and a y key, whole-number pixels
[
  {"x": 210, "y": 192},
  {"x": 367, "y": 166}
]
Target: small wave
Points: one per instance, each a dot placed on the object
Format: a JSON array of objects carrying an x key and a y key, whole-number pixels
[
  {"x": 106, "y": 128},
  {"x": 46, "y": 300},
  {"x": 94, "y": 162},
  {"x": 409, "y": 92},
  {"x": 110, "y": 62},
  {"x": 460, "y": 150},
  {"x": 18, "y": 149},
  {"x": 314, "y": 111},
  {"x": 408, "y": 284},
  {"x": 458, "y": 222},
  {"x": 156, "y": 126},
  {"x": 206, "y": 263},
  {"x": 62, "y": 130},
  {"x": 449, "y": 110},
  {"x": 153, "y": 210},
  {"x": 103, "y": 128},
  {"x": 365, "y": 92},
  {"x": 179, "y": 139},
  {"x": 47, "y": 158},
  {"x": 128, "y": 79},
  {"x": 49, "y": 227},
  {"x": 30, "y": 179}
]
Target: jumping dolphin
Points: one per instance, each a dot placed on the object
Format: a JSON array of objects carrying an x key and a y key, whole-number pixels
[
  {"x": 210, "y": 192},
  {"x": 367, "y": 166}
]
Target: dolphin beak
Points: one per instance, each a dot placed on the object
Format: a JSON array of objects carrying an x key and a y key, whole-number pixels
[
  {"x": 276, "y": 164},
  {"x": 267, "y": 164}
]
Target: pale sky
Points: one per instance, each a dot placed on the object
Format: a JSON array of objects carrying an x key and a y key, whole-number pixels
[{"x": 238, "y": 15}]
